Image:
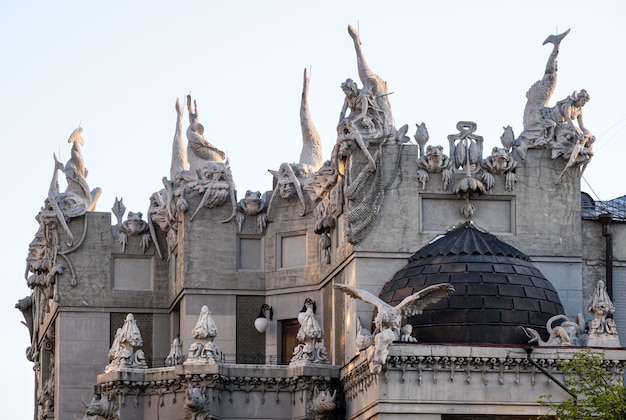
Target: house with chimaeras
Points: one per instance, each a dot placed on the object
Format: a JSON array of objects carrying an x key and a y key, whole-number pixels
[{"x": 392, "y": 277}]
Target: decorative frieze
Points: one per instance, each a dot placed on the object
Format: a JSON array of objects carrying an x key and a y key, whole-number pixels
[
  {"x": 511, "y": 367},
  {"x": 199, "y": 394}
]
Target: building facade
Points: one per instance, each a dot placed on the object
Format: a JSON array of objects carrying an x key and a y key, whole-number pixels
[{"x": 378, "y": 213}]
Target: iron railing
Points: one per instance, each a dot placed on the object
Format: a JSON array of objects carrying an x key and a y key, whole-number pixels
[{"x": 238, "y": 358}]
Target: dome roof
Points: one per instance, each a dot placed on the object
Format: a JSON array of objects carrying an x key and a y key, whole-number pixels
[{"x": 497, "y": 290}]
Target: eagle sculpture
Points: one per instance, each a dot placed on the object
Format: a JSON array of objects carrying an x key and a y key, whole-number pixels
[{"x": 389, "y": 318}]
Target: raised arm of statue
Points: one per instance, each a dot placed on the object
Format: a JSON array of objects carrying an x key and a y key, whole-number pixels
[
  {"x": 199, "y": 150},
  {"x": 194, "y": 122}
]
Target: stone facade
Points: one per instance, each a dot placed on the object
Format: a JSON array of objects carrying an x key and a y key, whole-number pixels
[{"x": 354, "y": 220}]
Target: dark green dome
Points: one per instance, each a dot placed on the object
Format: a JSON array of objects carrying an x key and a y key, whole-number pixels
[{"x": 497, "y": 290}]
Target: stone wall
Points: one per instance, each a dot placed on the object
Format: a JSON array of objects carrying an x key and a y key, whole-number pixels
[
  {"x": 426, "y": 382},
  {"x": 226, "y": 391},
  {"x": 82, "y": 347},
  {"x": 142, "y": 277}
]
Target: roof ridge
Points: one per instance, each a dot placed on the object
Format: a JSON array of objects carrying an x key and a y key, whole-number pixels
[{"x": 468, "y": 239}]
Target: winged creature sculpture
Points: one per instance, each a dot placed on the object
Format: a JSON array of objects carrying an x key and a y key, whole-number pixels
[{"x": 389, "y": 318}]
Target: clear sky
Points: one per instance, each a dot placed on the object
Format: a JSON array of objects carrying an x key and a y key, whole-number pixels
[{"x": 116, "y": 68}]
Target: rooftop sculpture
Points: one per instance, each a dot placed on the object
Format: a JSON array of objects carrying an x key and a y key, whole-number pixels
[
  {"x": 568, "y": 333},
  {"x": 349, "y": 184},
  {"x": 77, "y": 199},
  {"x": 352, "y": 174},
  {"x": 253, "y": 204},
  {"x": 199, "y": 150},
  {"x": 175, "y": 356},
  {"x": 216, "y": 184},
  {"x": 203, "y": 350},
  {"x": 48, "y": 253},
  {"x": 133, "y": 226},
  {"x": 389, "y": 318},
  {"x": 311, "y": 154},
  {"x": 433, "y": 161},
  {"x": 600, "y": 331},
  {"x": 369, "y": 124},
  {"x": 125, "y": 353},
  {"x": 292, "y": 179},
  {"x": 204, "y": 169},
  {"x": 310, "y": 338},
  {"x": 558, "y": 128},
  {"x": 370, "y": 106},
  {"x": 554, "y": 127},
  {"x": 289, "y": 179},
  {"x": 160, "y": 215}
]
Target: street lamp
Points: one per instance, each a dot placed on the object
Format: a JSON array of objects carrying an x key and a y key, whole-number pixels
[{"x": 262, "y": 320}]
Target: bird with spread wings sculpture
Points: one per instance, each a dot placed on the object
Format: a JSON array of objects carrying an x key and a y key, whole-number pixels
[{"x": 389, "y": 318}]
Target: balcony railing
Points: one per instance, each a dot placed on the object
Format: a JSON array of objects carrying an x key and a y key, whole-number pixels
[{"x": 239, "y": 358}]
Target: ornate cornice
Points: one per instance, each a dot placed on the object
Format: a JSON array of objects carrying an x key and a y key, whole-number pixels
[
  {"x": 220, "y": 386},
  {"x": 470, "y": 369},
  {"x": 357, "y": 380}
]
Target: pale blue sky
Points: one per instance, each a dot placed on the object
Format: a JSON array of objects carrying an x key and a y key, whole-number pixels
[{"x": 116, "y": 69}]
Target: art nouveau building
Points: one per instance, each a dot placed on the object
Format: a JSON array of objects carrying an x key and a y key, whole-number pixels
[{"x": 380, "y": 213}]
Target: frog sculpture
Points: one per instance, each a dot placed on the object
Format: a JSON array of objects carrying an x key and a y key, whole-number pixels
[
  {"x": 432, "y": 162},
  {"x": 253, "y": 204},
  {"x": 499, "y": 163},
  {"x": 133, "y": 226}
]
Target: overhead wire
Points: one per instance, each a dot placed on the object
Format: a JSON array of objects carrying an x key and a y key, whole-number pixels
[{"x": 617, "y": 127}]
